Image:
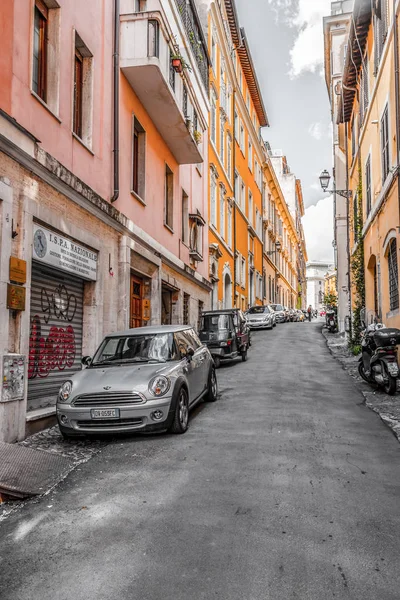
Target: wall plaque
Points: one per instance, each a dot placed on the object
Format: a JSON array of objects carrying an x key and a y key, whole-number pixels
[
  {"x": 17, "y": 270},
  {"x": 15, "y": 297}
]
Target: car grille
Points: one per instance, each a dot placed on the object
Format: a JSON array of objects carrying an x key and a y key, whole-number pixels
[
  {"x": 108, "y": 399},
  {"x": 107, "y": 424}
]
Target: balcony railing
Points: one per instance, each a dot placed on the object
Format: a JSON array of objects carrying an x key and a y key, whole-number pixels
[{"x": 195, "y": 36}]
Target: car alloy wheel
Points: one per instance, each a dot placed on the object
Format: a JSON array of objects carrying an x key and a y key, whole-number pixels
[
  {"x": 181, "y": 415},
  {"x": 212, "y": 390}
]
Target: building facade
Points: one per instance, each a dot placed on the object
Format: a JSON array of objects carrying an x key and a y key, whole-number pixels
[
  {"x": 316, "y": 272},
  {"x": 369, "y": 114},
  {"x": 103, "y": 207}
]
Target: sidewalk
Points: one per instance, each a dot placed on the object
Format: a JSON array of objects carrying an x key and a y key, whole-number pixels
[
  {"x": 36, "y": 465},
  {"x": 387, "y": 407}
]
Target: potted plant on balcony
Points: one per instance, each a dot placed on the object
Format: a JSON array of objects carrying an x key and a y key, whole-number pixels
[
  {"x": 179, "y": 63},
  {"x": 197, "y": 136}
]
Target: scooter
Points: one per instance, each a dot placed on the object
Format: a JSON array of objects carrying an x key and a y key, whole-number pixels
[
  {"x": 331, "y": 321},
  {"x": 378, "y": 363}
]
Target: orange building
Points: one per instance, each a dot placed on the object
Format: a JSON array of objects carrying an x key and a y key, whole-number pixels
[{"x": 236, "y": 156}]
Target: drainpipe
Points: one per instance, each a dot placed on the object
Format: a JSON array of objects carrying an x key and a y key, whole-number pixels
[
  {"x": 397, "y": 92},
  {"x": 116, "y": 101},
  {"x": 348, "y": 234},
  {"x": 234, "y": 196}
]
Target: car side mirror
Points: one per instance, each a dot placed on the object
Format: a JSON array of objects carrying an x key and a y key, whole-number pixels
[
  {"x": 86, "y": 361},
  {"x": 189, "y": 353}
]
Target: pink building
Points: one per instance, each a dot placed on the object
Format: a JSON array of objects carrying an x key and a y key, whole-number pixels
[{"x": 89, "y": 244}]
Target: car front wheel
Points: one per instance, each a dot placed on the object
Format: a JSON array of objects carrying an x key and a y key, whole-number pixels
[
  {"x": 212, "y": 390},
  {"x": 181, "y": 416}
]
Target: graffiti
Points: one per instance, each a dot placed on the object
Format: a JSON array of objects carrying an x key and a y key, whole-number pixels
[
  {"x": 60, "y": 303},
  {"x": 57, "y": 351}
]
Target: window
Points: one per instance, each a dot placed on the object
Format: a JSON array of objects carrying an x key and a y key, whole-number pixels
[
  {"x": 237, "y": 188},
  {"x": 186, "y": 303},
  {"x": 242, "y": 196},
  {"x": 380, "y": 29},
  {"x": 385, "y": 143},
  {"x": 243, "y": 273},
  {"x": 250, "y": 157},
  {"x": 171, "y": 72},
  {"x": 368, "y": 185},
  {"x": 222, "y": 142},
  {"x": 251, "y": 208},
  {"x": 214, "y": 54},
  {"x": 221, "y": 213},
  {"x": 153, "y": 39},
  {"x": 229, "y": 236},
  {"x": 138, "y": 159},
  {"x": 83, "y": 92},
  {"x": 169, "y": 197},
  {"x": 364, "y": 100},
  {"x": 393, "y": 275},
  {"x": 213, "y": 200},
  {"x": 140, "y": 5},
  {"x": 200, "y": 311},
  {"x": 185, "y": 218},
  {"x": 185, "y": 102},
  {"x": 229, "y": 156},
  {"x": 213, "y": 118},
  {"x": 40, "y": 37},
  {"x": 236, "y": 126},
  {"x": 242, "y": 137}
]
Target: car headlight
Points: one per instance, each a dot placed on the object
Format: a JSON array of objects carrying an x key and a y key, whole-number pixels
[
  {"x": 159, "y": 386},
  {"x": 65, "y": 391}
]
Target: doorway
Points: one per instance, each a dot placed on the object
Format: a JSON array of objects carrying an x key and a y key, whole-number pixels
[
  {"x": 166, "y": 308},
  {"x": 136, "y": 302}
]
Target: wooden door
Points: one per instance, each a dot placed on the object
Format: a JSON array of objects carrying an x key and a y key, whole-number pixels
[{"x": 136, "y": 302}]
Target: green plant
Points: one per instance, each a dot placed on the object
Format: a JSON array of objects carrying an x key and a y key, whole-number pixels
[
  {"x": 197, "y": 136},
  {"x": 184, "y": 64},
  {"x": 357, "y": 270},
  {"x": 330, "y": 299}
]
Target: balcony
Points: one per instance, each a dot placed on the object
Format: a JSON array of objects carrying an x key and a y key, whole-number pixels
[{"x": 146, "y": 50}]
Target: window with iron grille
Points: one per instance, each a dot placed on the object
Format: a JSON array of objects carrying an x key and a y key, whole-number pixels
[
  {"x": 368, "y": 185},
  {"x": 186, "y": 301},
  {"x": 385, "y": 143},
  {"x": 201, "y": 308},
  {"x": 185, "y": 102},
  {"x": 393, "y": 275},
  {"x": 171, "y": 72}
]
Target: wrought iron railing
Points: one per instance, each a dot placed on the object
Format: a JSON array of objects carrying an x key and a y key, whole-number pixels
[{"x": 193, "y": 30}]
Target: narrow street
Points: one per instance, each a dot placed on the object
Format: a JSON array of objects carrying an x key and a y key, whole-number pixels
[{"x": 287, "y": 487}]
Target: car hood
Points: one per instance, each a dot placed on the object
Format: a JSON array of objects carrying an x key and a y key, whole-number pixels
[
  {"x": 127, "y": 378},
  {"x": 259, "y": 317}
]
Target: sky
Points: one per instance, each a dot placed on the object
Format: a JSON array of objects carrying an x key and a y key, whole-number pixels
[{"x": 287, "y": 46}]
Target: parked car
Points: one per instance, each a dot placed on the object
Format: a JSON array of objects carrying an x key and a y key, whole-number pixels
[
  {"x": 144, "y": 379},
  {"x": 226, "y": 334},
  {"x": 260, "y": 317},
  {"x": 292, "y": 315},
  {"x": 280, "y": 312}
]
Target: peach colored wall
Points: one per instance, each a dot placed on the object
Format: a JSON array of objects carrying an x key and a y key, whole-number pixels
[
  {"x": 93, "y": 20},
  {"x": 150, "y": 217},
  {"x": 6, "y": 31}
]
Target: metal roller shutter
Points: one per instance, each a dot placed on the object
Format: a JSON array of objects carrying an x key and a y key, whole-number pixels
[{"x": 55, "y": 343}]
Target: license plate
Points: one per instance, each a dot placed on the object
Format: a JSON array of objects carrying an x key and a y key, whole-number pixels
[{"x": 105, "y": 413}]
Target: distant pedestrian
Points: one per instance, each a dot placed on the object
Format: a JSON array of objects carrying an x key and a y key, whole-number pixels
[{"x": 309, "y": 312}]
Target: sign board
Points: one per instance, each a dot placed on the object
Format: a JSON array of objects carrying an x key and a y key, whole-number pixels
[
  {"x": 146, "y": 310},
  {"x": 17, "y": 270},
  {"x": 62, "y": 253},
  {"x": 15, "y": 297},
  {"x": 12, "y": 377}
]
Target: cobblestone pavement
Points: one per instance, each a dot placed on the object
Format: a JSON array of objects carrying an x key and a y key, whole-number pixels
[
  {"x": 387, "y": 407},
  {"x": 51, "y": 440}
]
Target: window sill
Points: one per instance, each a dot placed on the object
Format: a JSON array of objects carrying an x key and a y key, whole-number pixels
[
  {"x": 46, "y": 106},
  {"x": 169, "y": 228},
  {"x": 82, "y": 143},
  {"x": 138, "y": 198}
]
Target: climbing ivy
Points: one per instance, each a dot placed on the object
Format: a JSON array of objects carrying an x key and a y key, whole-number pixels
[{"x": 357, "y": 268}]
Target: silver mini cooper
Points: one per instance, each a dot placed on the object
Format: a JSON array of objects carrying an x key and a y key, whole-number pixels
[{"x": 144, "y": 379}]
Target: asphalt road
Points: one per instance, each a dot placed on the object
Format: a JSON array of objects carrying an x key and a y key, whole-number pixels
[{"x": 286, "y": 488}]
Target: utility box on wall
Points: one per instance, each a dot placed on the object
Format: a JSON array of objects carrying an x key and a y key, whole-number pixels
[{"x": 13, "y": 377}]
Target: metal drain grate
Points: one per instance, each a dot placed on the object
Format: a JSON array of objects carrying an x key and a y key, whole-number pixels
[{"x": 26, "y": 472}]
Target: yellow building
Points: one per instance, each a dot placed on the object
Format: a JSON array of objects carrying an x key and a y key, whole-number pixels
[
  {"x": 330, "y": 284},
  {"x": 370, "y": 114},
  {"x": 236, "y": 155}
]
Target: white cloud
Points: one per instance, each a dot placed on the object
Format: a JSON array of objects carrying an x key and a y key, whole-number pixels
[
  {"x": 307, "y": 53},
  {"x": 316, "y": 130},
  {"x": 318, "y": 229}
]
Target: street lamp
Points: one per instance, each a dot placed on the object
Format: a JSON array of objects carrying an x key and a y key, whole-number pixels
[
  {"x": 325, "y": 178},
  {"x": 278, "y": 248}
]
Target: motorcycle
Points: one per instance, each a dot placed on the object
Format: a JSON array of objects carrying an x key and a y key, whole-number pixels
[
  {"x": 378, "y": 363},
  {"x": 331, "y": 320}
]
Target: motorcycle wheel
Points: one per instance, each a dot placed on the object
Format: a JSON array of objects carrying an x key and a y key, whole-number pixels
[
  {"x": 391, "y": 386},
  {"x": 362, "y": 373}
]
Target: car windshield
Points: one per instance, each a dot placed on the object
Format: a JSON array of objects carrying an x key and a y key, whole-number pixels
[
  {"x": 214, "y": 322},
  {"x": 158, "y": 347},
  {"x": 258, "y": 310},
  {"x": 277, "y": 307}
]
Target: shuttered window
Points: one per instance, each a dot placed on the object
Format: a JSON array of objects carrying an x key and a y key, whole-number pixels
[
  {"x": 393, "y": 275},
  {"x": 385, "y": 144},
  {"x": 39, "y": 73},
  {"x": 368, "y": 185},
  {"x": 78, "y": 88}
]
